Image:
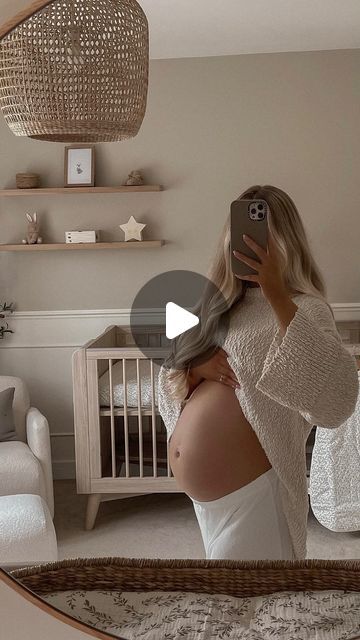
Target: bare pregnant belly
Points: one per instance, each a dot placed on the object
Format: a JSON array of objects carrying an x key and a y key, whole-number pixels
[{"x": 214, "y": 449}]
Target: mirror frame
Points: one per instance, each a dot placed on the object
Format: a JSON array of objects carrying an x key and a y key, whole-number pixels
[{"x": 58, "y": 617}]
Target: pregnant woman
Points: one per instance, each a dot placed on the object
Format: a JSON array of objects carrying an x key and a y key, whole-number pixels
[{"x": 237, "y": 423}]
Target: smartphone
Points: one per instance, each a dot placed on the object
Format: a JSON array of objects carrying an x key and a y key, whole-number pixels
[{"x": 249, "y": 217}]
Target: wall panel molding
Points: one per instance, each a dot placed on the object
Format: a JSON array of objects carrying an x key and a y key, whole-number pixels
[{"x": 66, "y": 329}]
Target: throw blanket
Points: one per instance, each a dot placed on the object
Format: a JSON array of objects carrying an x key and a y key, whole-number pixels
[
  {"x": 309, "y": 615},
  {"x": 335, "y": 475}
]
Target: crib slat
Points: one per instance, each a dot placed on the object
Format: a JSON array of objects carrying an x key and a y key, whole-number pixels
[
  {"x": 126, "y": 422},
  {"x": 112, "y": 420},
  {"x": 168, "y": 459},
  {"x": 153, "y": 418},
  {"x": 94, "y": 418},
  {"x": 138, "y": 380}
]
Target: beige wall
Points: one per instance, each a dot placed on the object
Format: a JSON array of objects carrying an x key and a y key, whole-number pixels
[{"x": 213, "y": 127}]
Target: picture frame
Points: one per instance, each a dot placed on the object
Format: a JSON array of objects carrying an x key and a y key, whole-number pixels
[{"x": 79, "y": 166}]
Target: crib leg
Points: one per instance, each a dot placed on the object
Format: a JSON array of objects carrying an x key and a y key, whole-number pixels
[{"x": 92, "y": 508}]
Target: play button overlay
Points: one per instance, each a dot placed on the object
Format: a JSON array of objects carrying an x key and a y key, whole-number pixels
[
  {"x": 178, "y": 320},
  {"x": 183, "y": 314}
]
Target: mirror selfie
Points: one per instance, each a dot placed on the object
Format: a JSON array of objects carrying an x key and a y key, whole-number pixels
[{"x": 180, "y": 348}]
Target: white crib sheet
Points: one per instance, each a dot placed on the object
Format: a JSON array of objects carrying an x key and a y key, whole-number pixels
[{"x": 131, "y": 384}]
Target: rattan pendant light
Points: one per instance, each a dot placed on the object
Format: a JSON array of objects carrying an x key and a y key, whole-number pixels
[{"x": 75, "y": 70}]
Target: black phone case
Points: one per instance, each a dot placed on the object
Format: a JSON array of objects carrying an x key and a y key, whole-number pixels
[{"x": 246, "y": 217}]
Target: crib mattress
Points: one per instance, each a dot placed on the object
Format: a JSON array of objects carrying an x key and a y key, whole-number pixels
[
  {"x": 304, "y": 615},
  {"x": 131, "y": 384}
]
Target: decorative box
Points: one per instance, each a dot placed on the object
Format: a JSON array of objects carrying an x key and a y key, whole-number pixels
[{"x": 77, "y": 237}]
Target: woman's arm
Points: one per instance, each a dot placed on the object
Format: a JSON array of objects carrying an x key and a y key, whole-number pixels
[
  {"x": 308, "y": 369},
  {"x": 284, "y": 309}
]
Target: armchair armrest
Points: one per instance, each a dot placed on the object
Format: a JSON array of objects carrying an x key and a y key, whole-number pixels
[{"x": 38, "y": 439}]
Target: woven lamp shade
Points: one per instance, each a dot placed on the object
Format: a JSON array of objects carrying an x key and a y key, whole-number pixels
[{"x": 76, "y": 71}]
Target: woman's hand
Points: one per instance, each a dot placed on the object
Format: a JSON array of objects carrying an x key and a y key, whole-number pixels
[
  {"x": 269, "y": 273},
  {"x": 216, "y": 368},
  {"x": 270, "y": 278}
]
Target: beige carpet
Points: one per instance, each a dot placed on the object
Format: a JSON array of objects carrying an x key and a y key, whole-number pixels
[{"x": 158, "y": 526}]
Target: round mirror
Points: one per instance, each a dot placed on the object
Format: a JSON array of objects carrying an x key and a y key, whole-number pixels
[
  {"x": 24, "y": 614},
  {"x": 98, "y": 534}
]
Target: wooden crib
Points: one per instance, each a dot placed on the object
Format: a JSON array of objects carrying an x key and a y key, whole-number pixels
[{"x": 121, "y": 447}]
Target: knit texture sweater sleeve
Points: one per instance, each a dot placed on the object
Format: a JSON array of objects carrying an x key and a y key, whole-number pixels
[
  {"x": 309, "y": 370},
  {"x": 169, "y": 408}
]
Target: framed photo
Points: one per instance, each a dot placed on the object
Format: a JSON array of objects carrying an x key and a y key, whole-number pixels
[{"x": 79, "y": 166}]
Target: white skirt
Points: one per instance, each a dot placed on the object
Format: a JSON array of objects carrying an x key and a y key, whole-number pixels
[{"x": 246, "y": 524}]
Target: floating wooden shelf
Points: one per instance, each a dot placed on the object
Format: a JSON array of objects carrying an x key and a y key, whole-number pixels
[
  {"x": 62, "y": 246},
  {"x": 43, "y": 191}
]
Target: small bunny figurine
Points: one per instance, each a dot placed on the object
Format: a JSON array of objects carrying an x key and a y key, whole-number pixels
[
  {"x": 32, "y": 236},
  {"x": 134, "y": 178}
]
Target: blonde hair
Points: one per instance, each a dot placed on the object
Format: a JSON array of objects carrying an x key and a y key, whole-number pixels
[{"x": 300, "y": 272}]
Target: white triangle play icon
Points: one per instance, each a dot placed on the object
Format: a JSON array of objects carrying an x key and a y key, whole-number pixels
[{"x": 178, "y": 320}]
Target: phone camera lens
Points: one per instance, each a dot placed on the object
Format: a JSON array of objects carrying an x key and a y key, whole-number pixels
[
  {"x": 253, "y": 211},
  {"x": 260, "y": 206}
]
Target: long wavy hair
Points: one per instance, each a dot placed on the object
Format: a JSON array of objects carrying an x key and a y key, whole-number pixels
[{"x": 301, "y": 276}]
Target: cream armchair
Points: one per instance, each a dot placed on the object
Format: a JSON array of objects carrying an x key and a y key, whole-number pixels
[{"x": 25, "y": 465}]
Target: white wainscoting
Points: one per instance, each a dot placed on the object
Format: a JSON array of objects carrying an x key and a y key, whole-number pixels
[
  {"x": 65, "y": 329},
  {"x": 40, "y": 351},
  {"x": 346, "y": 311}
]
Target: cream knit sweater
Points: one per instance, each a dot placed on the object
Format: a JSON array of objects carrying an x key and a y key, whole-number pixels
[{"x": 288, "y": 384}]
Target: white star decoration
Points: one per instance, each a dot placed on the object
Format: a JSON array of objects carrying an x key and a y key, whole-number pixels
[{"x": 132, "y": 229}]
